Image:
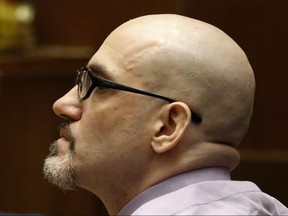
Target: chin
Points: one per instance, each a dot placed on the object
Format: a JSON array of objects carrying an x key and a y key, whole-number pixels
[{"x": 60, "y": 171}]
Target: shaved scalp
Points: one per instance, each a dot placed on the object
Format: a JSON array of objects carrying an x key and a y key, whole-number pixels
[{"x": 196, "y": 63}]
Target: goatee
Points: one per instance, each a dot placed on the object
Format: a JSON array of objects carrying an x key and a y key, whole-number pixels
[{"x": 59, "y": 170}]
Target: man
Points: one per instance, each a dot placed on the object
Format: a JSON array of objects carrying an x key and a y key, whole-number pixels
[{"x": 153, "y": 122}]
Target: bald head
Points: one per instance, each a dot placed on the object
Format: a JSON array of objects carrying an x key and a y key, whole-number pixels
[{"x": 193, "y": 62}]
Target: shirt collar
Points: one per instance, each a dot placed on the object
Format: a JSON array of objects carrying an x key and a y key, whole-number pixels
[{"x": 175, "y": 183}]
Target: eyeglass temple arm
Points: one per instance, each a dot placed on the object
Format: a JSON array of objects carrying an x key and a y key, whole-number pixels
[{"x": 195, "y": 117}]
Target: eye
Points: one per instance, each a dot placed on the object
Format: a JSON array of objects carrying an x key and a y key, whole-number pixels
[
  {"x": 101, "y": 88},
  {"x": 101, "y": 85}
]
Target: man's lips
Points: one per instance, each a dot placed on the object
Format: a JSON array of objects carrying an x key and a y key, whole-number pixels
[
  {"x": 64, "y": 135},
  {"x": 65, "y": 132}
]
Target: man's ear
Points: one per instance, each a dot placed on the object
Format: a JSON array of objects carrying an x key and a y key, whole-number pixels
[{"x": 171, "y": 126}]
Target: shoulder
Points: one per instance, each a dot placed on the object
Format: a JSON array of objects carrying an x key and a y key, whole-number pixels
[{"x": 214, "y": 197}]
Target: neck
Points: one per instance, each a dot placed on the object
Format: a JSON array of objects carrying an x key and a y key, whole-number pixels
[{"x": 116, "y": 194}]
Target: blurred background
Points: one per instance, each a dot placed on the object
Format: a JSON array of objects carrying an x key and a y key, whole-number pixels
[{"x": 42, "y": 43}]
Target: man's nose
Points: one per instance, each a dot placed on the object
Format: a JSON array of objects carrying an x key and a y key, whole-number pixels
[{"x": 69, "y": 107}]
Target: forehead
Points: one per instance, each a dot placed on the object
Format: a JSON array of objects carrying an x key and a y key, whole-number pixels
[{"x": 123, "y": 54}]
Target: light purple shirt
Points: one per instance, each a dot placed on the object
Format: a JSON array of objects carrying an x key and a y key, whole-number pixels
[{"x": 208, "y": 191}]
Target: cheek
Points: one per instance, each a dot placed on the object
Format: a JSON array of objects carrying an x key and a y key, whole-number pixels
[
  {"x": 108, "y": 143},
  {"x": 114, "y": 116},
  {"x": 106, "y": 130}
]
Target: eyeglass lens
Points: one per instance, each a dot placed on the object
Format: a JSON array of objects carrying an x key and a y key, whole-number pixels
[{"x": 84, "y": 83}]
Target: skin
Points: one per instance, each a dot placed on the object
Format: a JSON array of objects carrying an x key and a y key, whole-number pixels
[{"x": 125, "y": 142}]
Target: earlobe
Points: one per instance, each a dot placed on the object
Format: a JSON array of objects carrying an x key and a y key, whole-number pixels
[{"x": 170, "y": 127}]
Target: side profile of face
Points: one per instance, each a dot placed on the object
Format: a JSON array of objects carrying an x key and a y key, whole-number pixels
[
  {"x": 108, "y": 135},
  {"x": 114, "y": 141}
]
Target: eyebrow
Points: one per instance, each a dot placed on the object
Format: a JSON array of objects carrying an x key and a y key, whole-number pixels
[{"x": 99, "y": 70}]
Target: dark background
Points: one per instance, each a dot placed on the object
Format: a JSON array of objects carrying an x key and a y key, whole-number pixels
[{"x": 32, "y": 81}]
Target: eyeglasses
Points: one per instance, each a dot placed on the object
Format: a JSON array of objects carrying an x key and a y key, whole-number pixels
[{"x": 87, "y": 82}]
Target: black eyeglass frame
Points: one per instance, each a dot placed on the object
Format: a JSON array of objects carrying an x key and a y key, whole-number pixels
[{"x": 104, "y": 83}]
